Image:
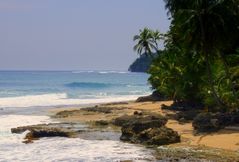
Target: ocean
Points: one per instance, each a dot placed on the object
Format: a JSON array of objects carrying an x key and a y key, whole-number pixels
[
  {"x": 41, "y": 88},
  {"x": 27, "y": 96}
]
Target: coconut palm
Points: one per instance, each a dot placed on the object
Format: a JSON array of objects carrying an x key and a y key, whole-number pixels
[
  {"x": 145, "y": 42},
  {"x": 156, "y": 36},
  {"x": 203, "y": 25}
]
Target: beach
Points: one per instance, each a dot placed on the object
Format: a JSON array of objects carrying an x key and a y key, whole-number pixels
[
  {"x": 29, "y": 98},
  {"x": 225, "y": 142},
  {"x": 223, "y": 139},
  {"x": 75, "y": 102},
  {"x": 119, "y": 81}
]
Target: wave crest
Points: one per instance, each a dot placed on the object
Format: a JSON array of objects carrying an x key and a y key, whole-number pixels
[
  {"x": 59, "y": 99},
  {"x": 87, "y": 85}
]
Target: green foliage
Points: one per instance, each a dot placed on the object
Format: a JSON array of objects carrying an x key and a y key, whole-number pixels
[
  {"x": 176, "y": 75},
  {"x": 141, "y": 64},
  {"x": 200, "y": 62},
  {"x": 147, "y": 41}
]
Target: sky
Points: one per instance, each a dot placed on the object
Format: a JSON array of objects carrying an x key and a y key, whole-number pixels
[{"x": 74, "y": 34}]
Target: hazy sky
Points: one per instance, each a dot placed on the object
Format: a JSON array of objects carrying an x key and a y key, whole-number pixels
[{"x": 74, "y": 34}]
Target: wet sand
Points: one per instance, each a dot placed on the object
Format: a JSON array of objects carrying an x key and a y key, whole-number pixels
[{"x": 223, "y": 139}]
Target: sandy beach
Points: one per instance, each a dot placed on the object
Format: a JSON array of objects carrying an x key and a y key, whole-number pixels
[{"x": 224, "y": 139}]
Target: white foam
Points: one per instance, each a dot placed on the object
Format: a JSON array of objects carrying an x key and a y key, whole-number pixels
[
  {"x": 12, "y": 121},
  {"x": 101, "y": 72},
  {"x": 112, "y": 72},
  {"x": 57, "y": 100},
  {"x": 77, "y": 72},
  {"x": 62, "y": 149}
]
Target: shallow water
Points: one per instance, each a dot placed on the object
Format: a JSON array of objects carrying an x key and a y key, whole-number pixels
[
  {"x": 26, "y": 97},
  {"x": 62, "y": 149},
  {"x": 48, "y": 88}
]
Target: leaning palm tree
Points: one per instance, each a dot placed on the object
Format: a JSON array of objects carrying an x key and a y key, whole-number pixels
[
  {"x": 157, "y": 36},
  {"x": 145, "y": 42},
  {"x": 203, "y": 25}
]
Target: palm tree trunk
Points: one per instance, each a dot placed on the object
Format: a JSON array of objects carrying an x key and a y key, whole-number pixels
[
  {"x": 205, "y": 52},
  {"x": 228, "y": 76},
  {"x": 210, "y": 79}
]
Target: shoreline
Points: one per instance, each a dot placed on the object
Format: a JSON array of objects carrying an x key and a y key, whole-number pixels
[
  {"x": 225, "y": 141},
  {"x": 128, "y": 107},
  {"x": 223, "y": 144}
]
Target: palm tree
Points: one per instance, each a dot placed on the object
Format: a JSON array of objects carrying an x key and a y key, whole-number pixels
[
  {"x": 203, "y": 25},
  {"x": 145, "y": 42},
  {"x": 156, "y": 36}
]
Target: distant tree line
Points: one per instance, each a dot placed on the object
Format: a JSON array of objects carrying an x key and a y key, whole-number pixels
[{"x": 142, "y": 64}]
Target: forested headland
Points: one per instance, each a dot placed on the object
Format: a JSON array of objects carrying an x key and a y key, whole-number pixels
[{"x": 200, "y": 61}]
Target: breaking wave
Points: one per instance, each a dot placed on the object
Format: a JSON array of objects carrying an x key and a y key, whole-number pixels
[
  {"x": 58, "y": 99},
  {"x": 88, "y": 85}
]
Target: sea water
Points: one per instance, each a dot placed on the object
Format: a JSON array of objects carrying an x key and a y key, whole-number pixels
[{"x": 27, "y": 96}]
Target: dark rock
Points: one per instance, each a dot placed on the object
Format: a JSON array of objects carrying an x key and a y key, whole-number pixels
[
  {"x": 137, "y": 119},
  {"x": 224, "y": 119},
  {"x": 127, "y": 134},
  {"x": 133, "y": 127},
  {"x": 182, "y": 120},
  {"x": 147, "y": 129},
  {"x": 115, "y": 103},
  {"x": 97, "y": 109},
  {"x": 102, "y": 109},
  {"x": 206, "y": 122},
  {"x": 187, "y": 115},
  {"x": 53, "y": 132},
  {"x": 235, "y": 117},
  {"x": 194, "y": 154},
  {"x": 209, "y": 122},
  {"x": 19, "y": 130},
  {"x": 155, "y": 96},
  {"x": 163, "y": 107},
  {"x": 102, "y": 122},
  {"x": 138, "y": 113},
  {"x": 27, "y": 141},
  {"x": 43, "y": 130},
  {"x": 159, "y": 136},
  {"x": 120, "y": 121},
  {"x": 66, "y": 113},
  {"x": 183, "y": 106},
  {"x": 105, "y": 110}
]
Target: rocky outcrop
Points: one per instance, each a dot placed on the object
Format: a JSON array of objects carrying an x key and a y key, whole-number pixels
[
  {"x": 211, "y": 122},
  {"x": 44, "y": 130},
  {"x": 65, "y": 113},
  {"x": 139, "y": 118},
  {"x": 158, "y": 136},
  {"x": 102, "y": 122},
  {"x": 102, "y": 109},
  {"x": 141, "y": 64},
  {"x": 95, "y": 109},
  {"x": 155, "y": 96},
  {"x": 105, "y": 110},
  {"x": 146, "y": 129},
  {"x": 183, "y": 106}
]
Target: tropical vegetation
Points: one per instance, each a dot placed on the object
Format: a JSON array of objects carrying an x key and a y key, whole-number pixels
[
  {"x": 200, "y": 59},
  {"x": 141, "y": 64}
]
